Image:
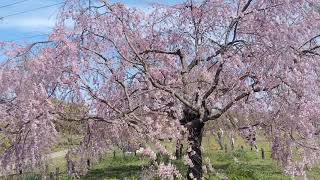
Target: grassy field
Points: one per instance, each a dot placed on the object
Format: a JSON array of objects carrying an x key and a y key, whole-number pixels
[
  {"x": 248, "y": 164},
  {"x": 240, "y": 164}
]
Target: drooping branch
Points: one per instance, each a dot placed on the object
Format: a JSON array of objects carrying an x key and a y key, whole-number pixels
[
  {"x": 215, "y": 82},
  {"x": 177, "y": 53},
  {"x": 174, "y": 94},
  {"x": 117, "y": 49},
  {"x": 29, "y": 48},
  {"x": 227, "y": 107}
]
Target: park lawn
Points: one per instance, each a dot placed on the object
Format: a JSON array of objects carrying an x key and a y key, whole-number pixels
[
  {"x": 117, "y": 168},
  {"x": 54, "y": 163},
  {"x": 239, "y": 164},
  {"x": 247, "y": 165}
]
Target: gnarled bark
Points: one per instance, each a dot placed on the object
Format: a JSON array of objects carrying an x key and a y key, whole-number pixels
[
  {"x": 194, "y": 125},
  {"x": 195, "y": 138}
]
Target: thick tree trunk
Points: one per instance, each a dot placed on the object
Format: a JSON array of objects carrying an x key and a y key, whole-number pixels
[
  {"x": 195, "y": 129},
  {"x": 194, "y": 125}
]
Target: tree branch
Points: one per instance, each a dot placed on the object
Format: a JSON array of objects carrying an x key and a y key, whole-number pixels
[{"x": 227, "y": 107}]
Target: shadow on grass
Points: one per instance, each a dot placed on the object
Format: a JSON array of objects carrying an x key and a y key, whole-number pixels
[
  {"x": 119, "y": 172},
  {"x": 117, "y": 168}
]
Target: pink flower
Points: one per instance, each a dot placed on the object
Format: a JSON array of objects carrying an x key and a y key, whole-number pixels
[
  {"x": 149, "y": 153},
  {"x": 188, "y": 161},
  {"x": 168, "y": 172}
]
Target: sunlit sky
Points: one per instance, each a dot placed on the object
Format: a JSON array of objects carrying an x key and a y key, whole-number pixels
[{"x": 35, "y": 25}]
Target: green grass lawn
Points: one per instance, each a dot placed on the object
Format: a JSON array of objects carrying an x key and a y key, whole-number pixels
[
  {"x": 117, "y": 168},
  {"x": 248, "y": 164}
]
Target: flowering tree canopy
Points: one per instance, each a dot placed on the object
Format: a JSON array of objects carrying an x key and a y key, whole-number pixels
[{"x": 170, "y": 70}]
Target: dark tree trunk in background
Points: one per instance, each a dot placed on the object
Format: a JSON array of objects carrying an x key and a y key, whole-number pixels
[
  {"x": 57, "y": 173},
  {"x": 232, "y": 142},
  {"x": 263, "y": 156},
  {"x": 179, "y": 147},
  {"x": 88, "y": 163},
  {"x": 195, "y": 138},
  {"x": 124, "y": 154},
  {"x": 226, "y": 148},
  {"x": 220, "y": 140},
  {"x": 51, "y": 175},
  {"x": 70, "y": 168}
]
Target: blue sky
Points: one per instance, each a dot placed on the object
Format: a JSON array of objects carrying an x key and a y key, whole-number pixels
[
  {"x": 24, "y": 26},
  {"x": 34, "y": 26}
]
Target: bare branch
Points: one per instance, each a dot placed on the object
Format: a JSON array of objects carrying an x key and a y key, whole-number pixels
[
  {"x": 246, "y": 6},
  {"x": 227, "y": 107}
]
